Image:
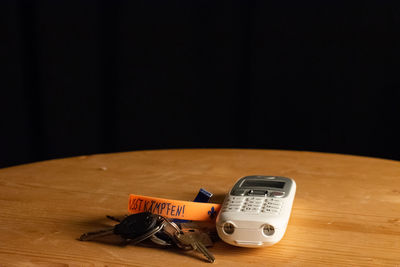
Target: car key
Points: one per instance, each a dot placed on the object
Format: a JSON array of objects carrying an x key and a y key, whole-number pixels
[
  {"x": 132, "y": 228},
  {"x": 188, "y": 241}
]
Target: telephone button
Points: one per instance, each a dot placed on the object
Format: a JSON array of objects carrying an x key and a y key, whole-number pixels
[
  {"x": 276, "y": 194},
  {"x": 273, "y": 204},
  {"x": 275, "y": 200},
  {"x": 270, "y": 210}
]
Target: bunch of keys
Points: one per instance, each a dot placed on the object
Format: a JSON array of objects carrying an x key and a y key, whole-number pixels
[{"x": 139, "y": 227}]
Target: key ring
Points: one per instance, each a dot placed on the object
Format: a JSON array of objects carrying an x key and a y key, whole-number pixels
[
  {"x": 167, "y": 228},
  {"x": 171, "y": 229}
]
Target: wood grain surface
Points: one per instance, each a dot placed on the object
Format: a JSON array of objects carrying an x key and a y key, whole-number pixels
[{"x": 346, "y": 211}]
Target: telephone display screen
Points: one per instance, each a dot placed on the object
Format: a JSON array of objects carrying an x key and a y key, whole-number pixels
[{"x": 262, "y": 183}]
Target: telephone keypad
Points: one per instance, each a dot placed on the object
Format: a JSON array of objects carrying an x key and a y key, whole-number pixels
[{"x": 268, "y": 205}]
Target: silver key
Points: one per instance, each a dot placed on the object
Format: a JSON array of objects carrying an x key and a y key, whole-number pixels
[
  {"x": 96, "y": 234},
  {"x": 188, "y": 241}
]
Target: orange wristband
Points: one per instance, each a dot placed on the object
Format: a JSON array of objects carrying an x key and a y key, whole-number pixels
[{"x": 175, "y": 209}]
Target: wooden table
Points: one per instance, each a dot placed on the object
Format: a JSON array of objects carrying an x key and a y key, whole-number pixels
[{"x": 346, "y": 211}]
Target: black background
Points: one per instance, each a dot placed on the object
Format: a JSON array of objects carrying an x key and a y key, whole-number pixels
[{"x": 83, "y": 77}]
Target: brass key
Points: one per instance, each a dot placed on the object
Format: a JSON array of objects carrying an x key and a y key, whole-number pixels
[{"x": 188, "y": 241}]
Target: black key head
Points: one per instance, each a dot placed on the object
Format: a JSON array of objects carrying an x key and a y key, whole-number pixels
[{"x": 136, "y": 225}]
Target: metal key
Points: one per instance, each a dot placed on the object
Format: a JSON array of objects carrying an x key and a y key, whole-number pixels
[
  {"x": 134, "y": 228},
  {"x": 202, "y": 237},
  {"x": 188, "y": 241},
  {"x": 201, "y": 233}
]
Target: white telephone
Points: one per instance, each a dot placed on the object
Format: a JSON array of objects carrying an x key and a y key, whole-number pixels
[{"x": 256, "y": 211}]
